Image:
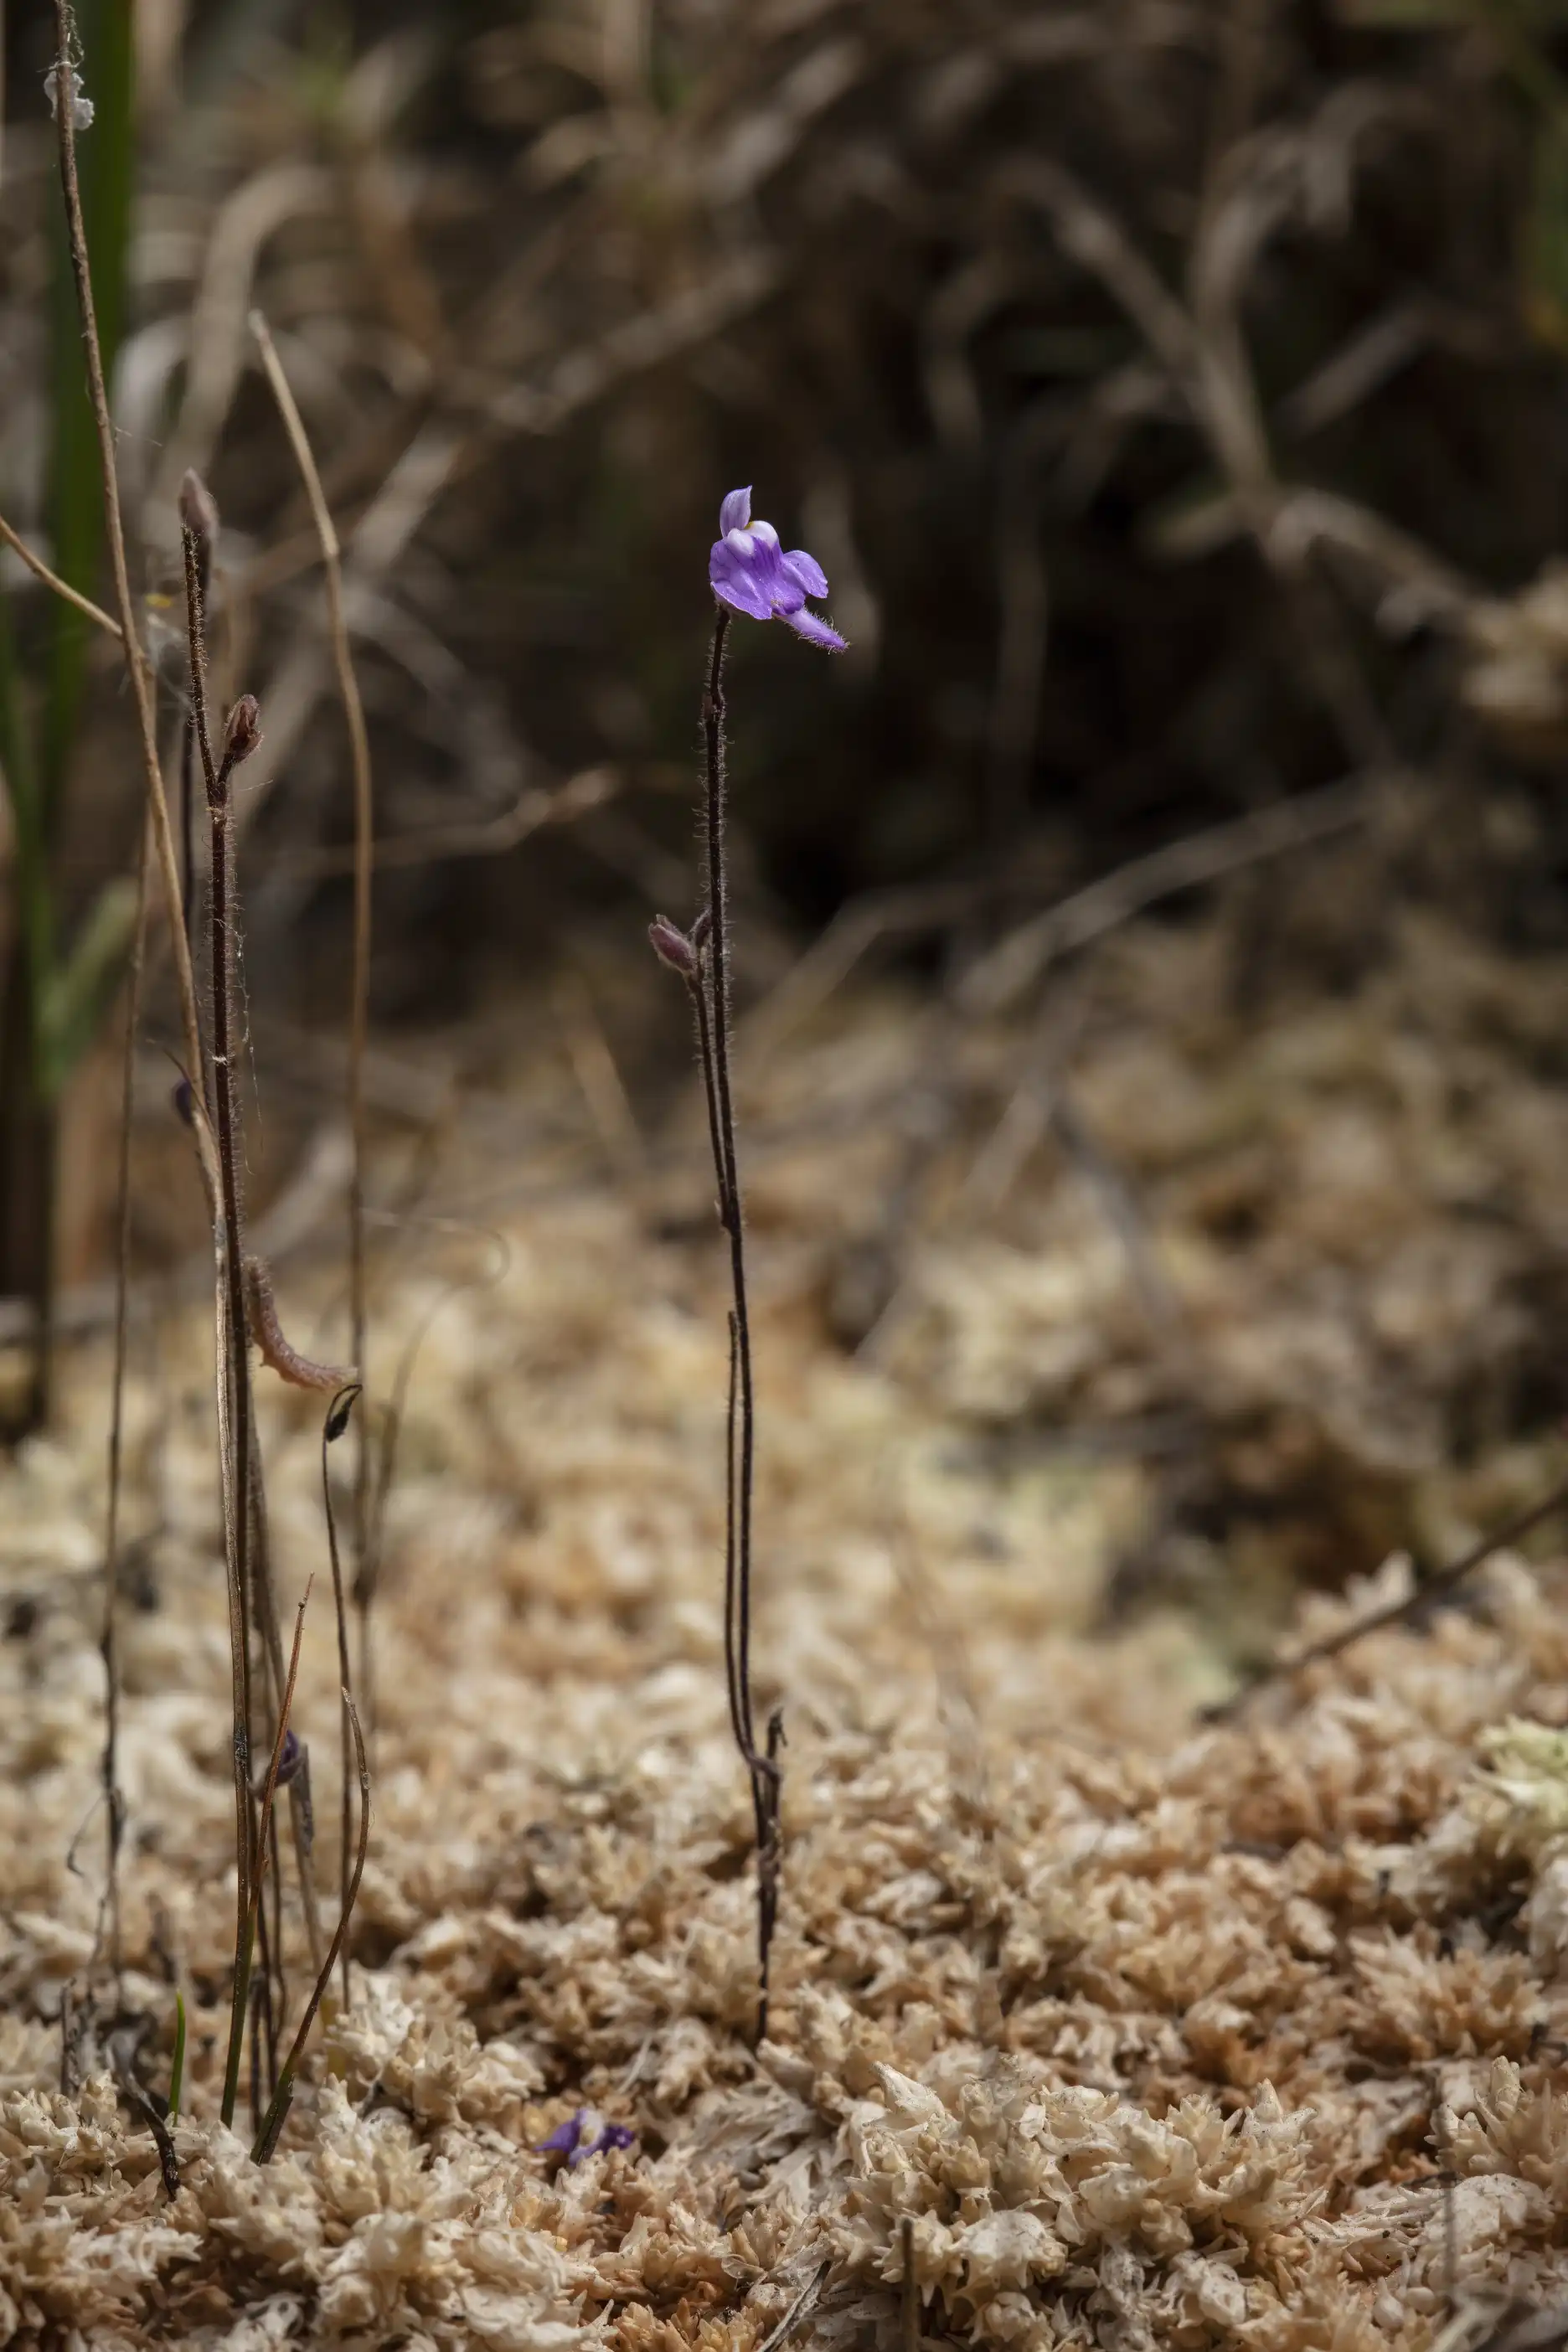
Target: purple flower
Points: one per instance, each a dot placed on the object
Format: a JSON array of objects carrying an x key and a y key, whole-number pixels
[
  {"x": 584, "y": 2134},
  {"x": 748, "y": 570}
]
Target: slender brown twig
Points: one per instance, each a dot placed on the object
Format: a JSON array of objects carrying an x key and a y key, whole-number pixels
[
  {"x": 1430, "y": 1588},
  {"x": 242, "y": 735},
  {"x": 137, "y": 665},
  {"x": 40, "y": 570},
  {"x": 199, "y": 515},
  {"x": 358, "y": 1004},
  {"x": 139, "y": 672},
  {"x": 333, "y": 1428}
]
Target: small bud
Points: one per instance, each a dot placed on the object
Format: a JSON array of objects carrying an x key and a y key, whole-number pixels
[
  {"x": 198, "y": 513},
  {"x": 243, "y": 730},
  {"x": 672, "y": 947},
  {"x": 183, "y": 1100},
  {"x": 700, "y": 928}
]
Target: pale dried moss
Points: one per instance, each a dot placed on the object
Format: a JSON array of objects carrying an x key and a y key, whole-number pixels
[
  {"x": 1158, "y": 2050},
  {"x": 1155, "y": 2037}
]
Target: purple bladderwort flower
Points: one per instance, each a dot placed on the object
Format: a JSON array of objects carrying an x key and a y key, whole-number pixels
[
  {"x": 584, "y": 2134},
  {"x": 748, "y": 570}
]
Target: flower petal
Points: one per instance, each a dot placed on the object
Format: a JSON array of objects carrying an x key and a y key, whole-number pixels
[
  {"x": 733, "y": 574},
  {"x": 736, "y": 512},
  {"x": 815, "y": 632},
  {"x": 806, "y": 572}
]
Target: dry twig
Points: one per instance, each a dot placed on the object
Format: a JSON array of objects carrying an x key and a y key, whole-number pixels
[
  {"x": 359, "y": 1011},
  {"x": 1430, "y": 1589}
]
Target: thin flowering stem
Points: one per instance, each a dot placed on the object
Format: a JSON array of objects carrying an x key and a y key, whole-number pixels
[
  {"x": 709, "y": 985},
  {"x": 749, "y": 573},
  {"x": 730, "y": 1215}
]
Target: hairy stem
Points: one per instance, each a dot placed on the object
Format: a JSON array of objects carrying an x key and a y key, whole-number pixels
[
  {"x": 233, "y": 1370},
  {"x": 709, "y": 987}
]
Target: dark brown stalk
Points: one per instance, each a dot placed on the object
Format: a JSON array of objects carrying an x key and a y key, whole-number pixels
[
  {"x": 113, "y": 1797},
  {"x": 711, "y": 991},
  {"x": 199, "y": 515},
  {"x": 234, "y": 1367},
  {"x": 1429, "y": 1589},
  {"x": 333, "y": 1428}
]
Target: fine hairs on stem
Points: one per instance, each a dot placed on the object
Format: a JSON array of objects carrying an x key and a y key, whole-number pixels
[
  {"x": 702, "y": 961},
  {"x": 241, "y": 736},
  {"x": 199, "y": 515}
]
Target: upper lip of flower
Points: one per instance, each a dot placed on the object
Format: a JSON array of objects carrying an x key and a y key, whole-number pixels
[{"x": 748, "y": 570}]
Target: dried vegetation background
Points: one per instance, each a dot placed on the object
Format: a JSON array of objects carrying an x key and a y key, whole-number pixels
[{"x": 1153, "y": 971}]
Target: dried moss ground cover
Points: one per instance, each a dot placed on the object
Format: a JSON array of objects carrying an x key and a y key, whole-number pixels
[{"x": 1154, "y": 2034}]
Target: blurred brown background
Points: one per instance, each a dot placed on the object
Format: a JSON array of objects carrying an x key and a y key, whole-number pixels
[{"x": 1174, "y": 395}]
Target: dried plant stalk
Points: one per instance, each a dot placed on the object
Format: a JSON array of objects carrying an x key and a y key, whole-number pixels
[
  {"x": 138, "y": 667},
  {"x": 232, "y": 1365},
  {"x": 359, "y": 1009},
  {"x": 61, "y": 588},
  {"x": 333, "y": 1428}
]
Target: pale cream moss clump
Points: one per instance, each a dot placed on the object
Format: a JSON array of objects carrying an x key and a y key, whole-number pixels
[
  {"x": 1012, "y": 2190},
  {"x": 1157, "y": 2036},
  {"x": 1160, "y": 2048}
]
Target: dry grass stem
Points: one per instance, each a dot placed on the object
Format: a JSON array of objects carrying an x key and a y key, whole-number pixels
[
  {"x": 138, "y": 668},
  {"x": 333, "y": 1428},
  {"x": 52, "y": 579},
  {"x": 359, "y": 1008}
]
